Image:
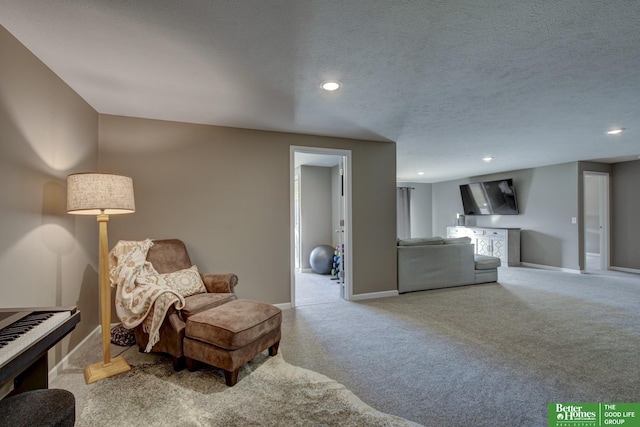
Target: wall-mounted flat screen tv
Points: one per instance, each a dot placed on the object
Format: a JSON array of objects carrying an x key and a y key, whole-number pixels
[{"x": 489, "y": 198}]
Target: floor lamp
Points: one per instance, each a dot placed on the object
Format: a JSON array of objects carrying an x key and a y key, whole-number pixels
[{"x": 102, "y": 195}]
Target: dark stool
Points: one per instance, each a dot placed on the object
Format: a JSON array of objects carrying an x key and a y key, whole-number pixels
[{"x": 39, "y": 408}]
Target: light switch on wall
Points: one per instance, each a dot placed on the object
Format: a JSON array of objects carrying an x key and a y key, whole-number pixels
[{"x": 574, "y": 220}]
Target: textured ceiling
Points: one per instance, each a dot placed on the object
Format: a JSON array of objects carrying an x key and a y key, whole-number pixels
[{"x": 530, "y": 83}]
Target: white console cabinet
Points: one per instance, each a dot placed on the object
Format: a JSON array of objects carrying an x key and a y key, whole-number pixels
[{"x": 503, "y": 243}]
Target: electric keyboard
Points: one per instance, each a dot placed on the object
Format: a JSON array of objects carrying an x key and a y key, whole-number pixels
[
  {"x": 25, "y": 337},
  {"x": 23, "y": 333}
]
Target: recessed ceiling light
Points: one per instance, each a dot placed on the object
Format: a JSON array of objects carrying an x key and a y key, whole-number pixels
[
  {"x": 615, "y": 131},
  {"x": 487, "y": 159},
  {"x": 420, "y": 173},
  {"x": 330, "y": 85}
]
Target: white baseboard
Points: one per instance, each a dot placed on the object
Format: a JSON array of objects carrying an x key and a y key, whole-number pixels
[
  {"x": 625, "y": 269},
  {"x": 569, "y": 270},
  {"x": 550, "y": 267},
  {"x": 358, "y": 297},
  {"x": 373, "y": 295},
  {"x": 283, "y": 306},
  {"x": 64, "y": 363}
]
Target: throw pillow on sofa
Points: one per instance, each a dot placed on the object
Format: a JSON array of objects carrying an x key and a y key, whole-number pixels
[{"x": 186, "y": 282}]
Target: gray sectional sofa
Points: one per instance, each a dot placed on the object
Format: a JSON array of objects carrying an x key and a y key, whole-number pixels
[{"x": 436, "y": 262}]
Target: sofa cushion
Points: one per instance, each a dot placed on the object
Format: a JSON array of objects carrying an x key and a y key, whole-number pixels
[
  {"x": 485, "y": 262},
  {"x": 235, "y": 324},
  {"x": 201, "y": 302},
  {"x": 168, "y": 255},
  {"x": 457, "y": 240},
  {"x": 421, "y": 241}
]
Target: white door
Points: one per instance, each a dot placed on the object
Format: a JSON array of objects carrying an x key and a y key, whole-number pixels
[{"x": 596, "y": 220}]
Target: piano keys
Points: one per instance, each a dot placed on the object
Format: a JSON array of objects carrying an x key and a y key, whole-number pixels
[
  {"x": 26, "y": 335},
  {"x": 19, "y": 335}
]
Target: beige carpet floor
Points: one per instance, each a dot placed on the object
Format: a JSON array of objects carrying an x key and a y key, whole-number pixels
[
  {"x": 483, "y": 355},
  {"x": 270, "y": 392},
  {"x": 313, "y": 288}
]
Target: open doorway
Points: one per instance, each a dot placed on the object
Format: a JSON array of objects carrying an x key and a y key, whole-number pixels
[
  {"x": 320, "y": 224},
  {"x": 596, "y": 221}
]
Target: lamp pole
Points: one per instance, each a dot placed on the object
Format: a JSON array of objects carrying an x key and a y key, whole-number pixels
[{"x": 105, "y": 289}]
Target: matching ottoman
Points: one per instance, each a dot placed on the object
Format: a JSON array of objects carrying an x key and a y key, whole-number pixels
[
  {"x": 486, "y": 268},
  {"x": 230, "y": 335}
]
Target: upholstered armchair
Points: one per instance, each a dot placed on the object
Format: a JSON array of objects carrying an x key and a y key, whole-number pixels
[{"x": 168, "y": 256}]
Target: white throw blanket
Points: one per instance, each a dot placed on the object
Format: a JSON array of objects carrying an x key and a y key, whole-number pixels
[{"x": 138, "y": 303}]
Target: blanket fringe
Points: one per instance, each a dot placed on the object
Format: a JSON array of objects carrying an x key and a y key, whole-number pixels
[{"x": 154, "y": 335}]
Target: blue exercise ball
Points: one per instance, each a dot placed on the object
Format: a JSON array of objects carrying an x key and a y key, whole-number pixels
[{"x": 321, "y": 259}]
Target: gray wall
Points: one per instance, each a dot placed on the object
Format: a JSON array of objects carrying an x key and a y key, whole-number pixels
[
  {"x": 315, "y": 210},
  {"x": 47, "y": 257},
  {"x": 225, "y": 192},
  {"x": 625, "y": 215},
  {"x": 547, "y": 198}
]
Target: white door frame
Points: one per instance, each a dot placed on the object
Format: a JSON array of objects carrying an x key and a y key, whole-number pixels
[
  {"x": 348, "y": 243},
  {"x": 603, "y": 207}
]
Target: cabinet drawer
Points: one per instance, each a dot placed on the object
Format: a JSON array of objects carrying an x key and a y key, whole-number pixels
[
  {"x": 502, "y": 234},
  {"x": 456, "y": 232}
]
